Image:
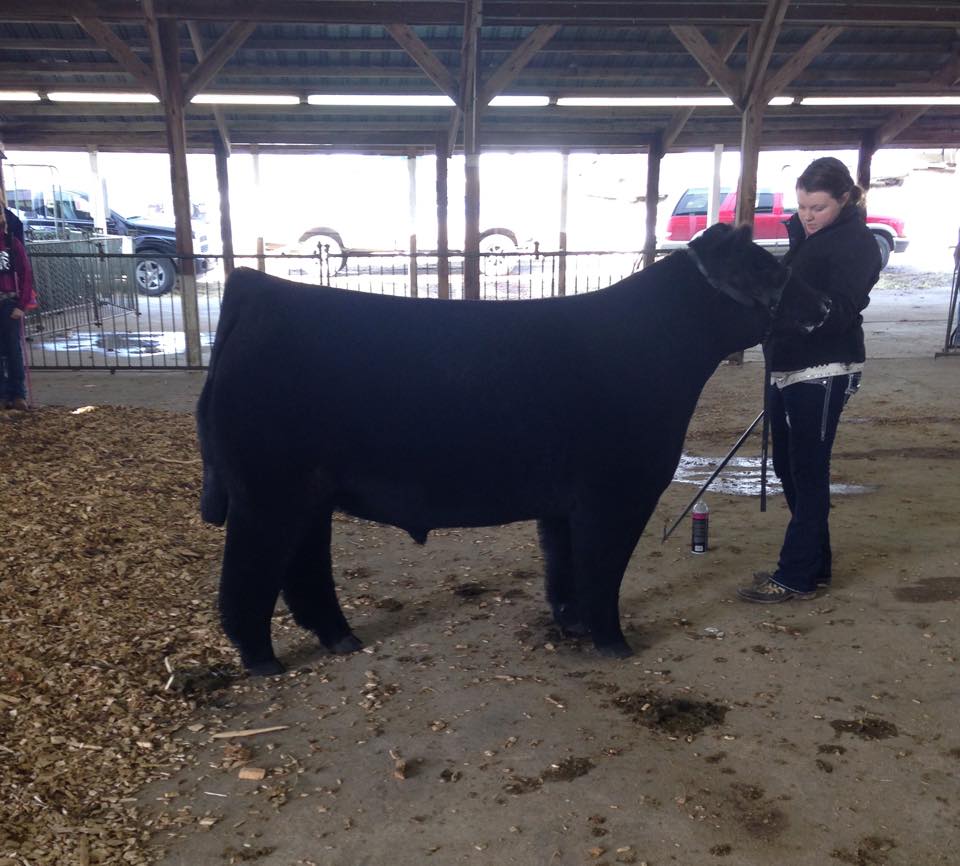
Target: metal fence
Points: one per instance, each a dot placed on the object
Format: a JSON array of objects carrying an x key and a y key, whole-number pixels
[{"x": 92, "y": 317}]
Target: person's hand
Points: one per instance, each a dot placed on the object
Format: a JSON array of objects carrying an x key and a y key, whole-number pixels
[{"x": 17, "y": 313}]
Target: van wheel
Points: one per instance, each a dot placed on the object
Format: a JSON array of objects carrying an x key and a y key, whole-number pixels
[
  {"x": 884, "y": 246},
  {"x": 155, "y": 275}
]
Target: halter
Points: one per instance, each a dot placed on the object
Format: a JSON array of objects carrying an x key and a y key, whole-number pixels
[{"x": 735, "y": 294}]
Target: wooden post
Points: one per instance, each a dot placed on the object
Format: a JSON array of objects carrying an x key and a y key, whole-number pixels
[
  {"x": 750, "y": 131},
  {"x": 443, "y": 246},
  {"x": 868, "y": 147},
  {"x": 223, "y": 187},
  {"x": 412, "y": 198},
  {"x": 255, "y": 153},
  {"x": 177, "y": 145},
  {"x": 564, "y": 195},
  {"x": 97, "y": 202},
  {"x": 654, "y": 156},
  {"x": 471, "y": 153},
  {"x": 713, "y": 204}
]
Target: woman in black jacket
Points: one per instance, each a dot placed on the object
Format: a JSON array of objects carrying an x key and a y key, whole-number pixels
[{"x": 813, "y": 375}]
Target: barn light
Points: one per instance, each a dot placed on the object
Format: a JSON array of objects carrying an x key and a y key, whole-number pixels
[
  {"x": 641, "y": 101},
  {"x": 244, "y": 99},
  {"x": 519, "y": 101},
  {"x": 19, "y": 96},
  {"x": 880, "y": 100},
  {"x": 782, "y": 100},
  {"x": 383, "y": 99},
  {"x": 78, "y": 96}
]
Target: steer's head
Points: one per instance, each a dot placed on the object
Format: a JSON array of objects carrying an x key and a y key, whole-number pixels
[{"x": 751, "y": 276}]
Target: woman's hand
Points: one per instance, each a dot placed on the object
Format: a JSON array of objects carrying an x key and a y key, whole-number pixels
[{"x": 16, "y": 313}]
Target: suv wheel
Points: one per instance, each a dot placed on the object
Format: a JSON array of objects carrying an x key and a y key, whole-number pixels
[{"x": 155, "y": 275}]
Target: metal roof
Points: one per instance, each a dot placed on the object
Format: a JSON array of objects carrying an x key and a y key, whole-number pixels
[{"x": 303, "y": 47}]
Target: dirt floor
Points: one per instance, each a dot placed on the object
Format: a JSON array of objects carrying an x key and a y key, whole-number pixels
[{"x": 468, "y": 731}]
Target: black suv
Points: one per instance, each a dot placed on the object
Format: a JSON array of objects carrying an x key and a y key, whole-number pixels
[{"x": 154, "y": 245}]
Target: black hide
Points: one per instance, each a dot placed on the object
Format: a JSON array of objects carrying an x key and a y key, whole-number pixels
[{"x": 426, "y": 414}]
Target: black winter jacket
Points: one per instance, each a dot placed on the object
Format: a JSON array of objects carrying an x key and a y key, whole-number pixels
[{"x": 842, "y": 261}]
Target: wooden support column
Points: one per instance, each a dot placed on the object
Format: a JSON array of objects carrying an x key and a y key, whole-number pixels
[
  {"x": 751, "y": 128},
  {"x": 97, "y": 202},
  {"x": 713, "y": 200},
  {"x": 172, "y": 89},
  {"x": 412, "y": 198},
  {"x": 471, "y": 152},
  {"x": 564, "y": 196},
  {"x": 223, "y": 187},
  {"x": 443, "y": 246},
  {"x": 868, "y": 147},
  {"x": 654, "y": 157},
  {"x": 255, "y": 154}
]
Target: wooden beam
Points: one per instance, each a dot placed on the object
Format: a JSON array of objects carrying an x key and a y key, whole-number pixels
[
  {"x": 508, "y": 12},
  {"x": 811, "y": 49},
  {"x": 223, "y": 49},
  {"x": 424, "y": 58},
  {"x": 654, "y": 158},
  {"x": 221, "y": 155},
  {"x": 762, "y": 51},
  {"x": 223, "y": 138},
  {"x": 680, "y": 117},
  {"x": 948, "y": 76},
  {"x": 518, "y": 59},
  {"x": 696, "y": 43},
  {"x": 117, "y": 49}
]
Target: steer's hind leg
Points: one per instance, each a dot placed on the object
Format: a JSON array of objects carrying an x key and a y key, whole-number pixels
[
  {"x": 249, "y": 586},
  {"x": 309, "y": 591},
  {"x": 554, "y": 535},
  {"x": 603, "y": 542}
]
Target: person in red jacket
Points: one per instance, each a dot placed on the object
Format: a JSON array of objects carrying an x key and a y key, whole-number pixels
[{"x": 16, "y": 297}]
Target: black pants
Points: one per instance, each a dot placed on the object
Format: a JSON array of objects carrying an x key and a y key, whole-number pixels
[
  {"x": 12, "y": 372},
  {"x": 803, "y": 423}
]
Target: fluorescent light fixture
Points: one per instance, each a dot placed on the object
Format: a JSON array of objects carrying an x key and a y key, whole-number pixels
[
  {"x": 19, "y": 96},
  {"x": 519, "y": 101},
  {"x": 383, "y": 99},
  {"x": 781, "y": 100},
  {"x": 641, "y": 101},
  {"x": 244, "y": 99},
  {"x": 881, "y": 100},
  {"x": 72, "y": 96}
]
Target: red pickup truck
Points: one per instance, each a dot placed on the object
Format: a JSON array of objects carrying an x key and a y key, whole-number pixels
[{"x": 773, "y": 209}]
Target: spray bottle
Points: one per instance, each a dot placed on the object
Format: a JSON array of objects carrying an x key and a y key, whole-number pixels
[{"x": 701, "y": 527}]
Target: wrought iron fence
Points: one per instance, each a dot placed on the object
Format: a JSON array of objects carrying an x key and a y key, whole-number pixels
[{"x": 91, "y": 315}]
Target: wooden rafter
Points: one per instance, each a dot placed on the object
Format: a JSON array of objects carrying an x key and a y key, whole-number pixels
[
  {"x": 948, "y": 76},
  {"x": 680, "y": 117},
  {"x": 811, "y": 49},
  {"x": 518, "y": 59},
  {"x": 118, "y": 50},
  {"x": 421, "y": 54},
  {"x": 761, "y": 51},
  {"x": 196, "y": 39},
  {"x": 222, "y": 50},
  {"x": 713, "y": 64}
]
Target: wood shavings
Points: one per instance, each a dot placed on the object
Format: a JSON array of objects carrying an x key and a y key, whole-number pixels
[{"x": 107, "y": 587}]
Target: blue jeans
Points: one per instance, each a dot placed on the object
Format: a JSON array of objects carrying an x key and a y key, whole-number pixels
[
  {"x": 803, "y": 423},
  {"x": 12, "y": 374}
]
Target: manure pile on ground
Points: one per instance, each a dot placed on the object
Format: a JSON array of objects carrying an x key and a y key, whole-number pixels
[{"x": 107, "y": 602}]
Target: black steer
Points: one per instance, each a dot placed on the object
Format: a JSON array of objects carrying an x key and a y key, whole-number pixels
[{"x": 426, "y": 414}]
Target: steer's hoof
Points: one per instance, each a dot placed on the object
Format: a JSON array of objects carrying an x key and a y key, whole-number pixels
[
  {"x": 617, "y": 650},
  {"x": 269, "y": 668},
  {"x": 349, "y": 643}
]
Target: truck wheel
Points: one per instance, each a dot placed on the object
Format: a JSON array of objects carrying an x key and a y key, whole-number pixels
[
  {"x": 325, "y": 242},
  {"x": 155, "y": 275},
  {"x": 884, "y": 246},
  {"x": 494, "y": 243}
]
